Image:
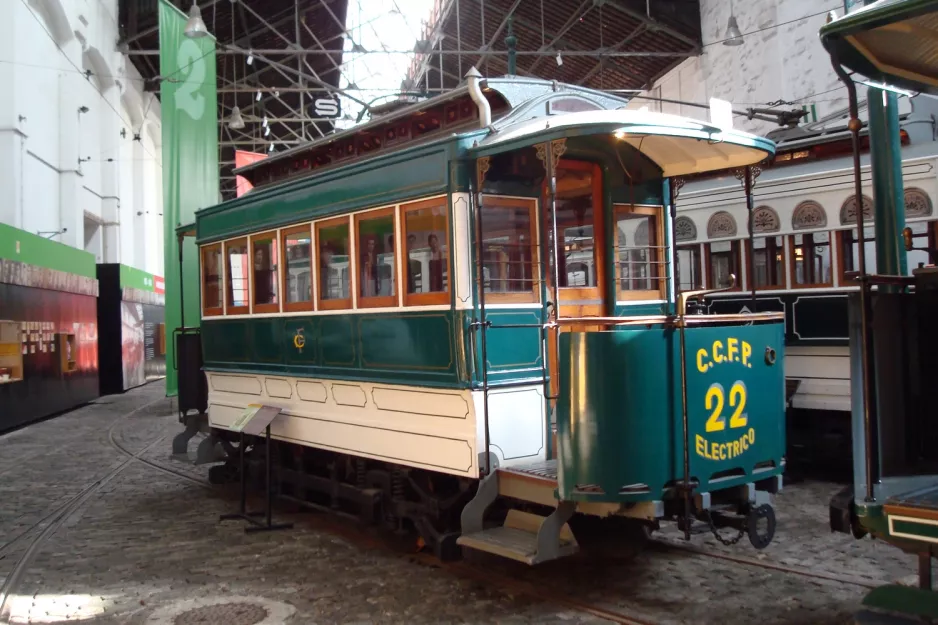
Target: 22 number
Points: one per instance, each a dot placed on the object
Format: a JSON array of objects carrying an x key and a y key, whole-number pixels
[{"x": 714, "y": 401}]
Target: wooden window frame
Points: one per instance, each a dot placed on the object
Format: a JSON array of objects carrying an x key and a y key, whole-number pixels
[
  {"x": 517, "y": 297},
  {"x": 581, "y": 293},
  {"x": 750, "y": 280},
  {"x": 213, "y": 311},
  {"x": 738, "y": 250},
  {"x": 424, "y": 299},
  {"x": 792, "y": 268},
  {"x": 842, "y": 252},
  {"x": 230, "y": 308},
  {"x": 334, "y": 304},
  {"x": 377, "y": 301},
  {"x": 265, "y": 308},
  {"x": 284, "y": 272},
  {"x": 623, "y": 295}
]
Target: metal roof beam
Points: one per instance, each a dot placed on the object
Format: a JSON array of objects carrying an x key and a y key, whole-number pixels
[
  {"x": 654, "y": 24},
  {"x": 571, "y": 22},
  {"x": 642, "y": 27},
  {"x": 498, "y": 31},
  {"x": 156, "y": 27}
]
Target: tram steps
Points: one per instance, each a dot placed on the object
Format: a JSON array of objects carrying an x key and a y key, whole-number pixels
[{"x": 526, "y": 537}]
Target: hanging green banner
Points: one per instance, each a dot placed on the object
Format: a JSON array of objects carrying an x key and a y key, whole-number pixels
[{"x": 189, "y": 101}]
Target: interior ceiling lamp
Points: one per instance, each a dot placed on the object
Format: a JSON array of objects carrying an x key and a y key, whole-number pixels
[
  {"x": 235, "y": 121},
  {"x": 733, "y": 36},
  {"x": 195, "y": 27}
]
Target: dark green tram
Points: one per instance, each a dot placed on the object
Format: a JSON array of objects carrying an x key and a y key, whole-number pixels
[{"x": 470, "y": 300}]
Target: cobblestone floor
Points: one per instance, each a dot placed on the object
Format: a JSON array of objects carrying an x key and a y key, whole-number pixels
[{"x": 147, "y": 545}]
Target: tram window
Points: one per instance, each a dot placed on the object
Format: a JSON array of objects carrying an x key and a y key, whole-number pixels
[
  {"x": 811, "y": 259},
  {"x": 638, "y": 252},
  {"x": 236, "y": 276},
  {"x": 333, "y": 270},
  {"x": 509, "y": 249},
  {"x": 768, "y": 262},
  {"x": 265, "y": 255},
  {"x": 427, "y": 262},
  {"x": 375, "y": 255},
  {"x": 298, "y": 273},
  {"x": 850, "y": 251},
  {"x": 723, "y": 259},
  {"x": 575, "y": 217},
  {"x": 689, "y": 274},
  {"x": 923, "y": 235},
  {"x": 211, "y": 280}
]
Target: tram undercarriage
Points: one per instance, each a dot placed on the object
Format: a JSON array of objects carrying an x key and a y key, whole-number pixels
[{"x": 519, "y": 507}]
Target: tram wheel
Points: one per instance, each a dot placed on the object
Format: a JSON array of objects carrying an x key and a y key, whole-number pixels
[{"x": 759, "y": 539}]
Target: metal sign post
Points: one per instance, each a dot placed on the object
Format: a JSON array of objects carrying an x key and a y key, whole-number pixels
[{"x": 254, "y": 420}]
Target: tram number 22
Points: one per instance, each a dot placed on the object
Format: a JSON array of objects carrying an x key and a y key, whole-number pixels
[{"x": 715, "y": 401}]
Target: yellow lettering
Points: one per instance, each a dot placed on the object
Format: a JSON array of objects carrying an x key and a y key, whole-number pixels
[
  {"x": 732, "y": 348},
  {"x": 712, "y": 450},
  {"x": 747, "y": 352},
  {"x": 701, "y": 365},
  {"x": 717, "y": 348}
]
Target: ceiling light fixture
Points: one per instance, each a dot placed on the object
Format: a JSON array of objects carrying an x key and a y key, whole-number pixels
[
  {"x": 235, "y": 121},
  {"x": 195, "y": 27},
  {"x": 733, "y": 36}
]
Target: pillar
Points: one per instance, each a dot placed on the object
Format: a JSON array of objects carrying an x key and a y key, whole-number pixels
[{"x": 886, "y": 166}]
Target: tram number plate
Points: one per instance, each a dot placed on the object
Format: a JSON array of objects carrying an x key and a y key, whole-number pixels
[{"x": 725, "y": 409}]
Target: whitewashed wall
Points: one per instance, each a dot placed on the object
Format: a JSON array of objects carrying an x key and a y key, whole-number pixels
[
  {"x": 110, "y": 202},
  {"x": 784, "y": 63}
]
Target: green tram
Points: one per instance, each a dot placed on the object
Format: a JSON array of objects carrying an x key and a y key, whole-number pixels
[{"x": 465, "y": 311}]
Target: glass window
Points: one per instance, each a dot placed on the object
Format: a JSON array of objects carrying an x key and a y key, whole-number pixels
[
  {"x": 426, "y": 232},
  {"x": 332, "y": 240},
  {"x": 768, "y": 262},
  {"x": 923, "y": 235},
  {"x": 724, "y": 260},
  {"x": 689, "y": 275},
  {"x": 297, "y": 283},
  {"x": 812, "y": 259},
  {"x": 577, "y": 250},
  {"x": 508, "y": 248},
  {"x": 638, "y": 252},
  {"x": 850, "y": 249},
  {"x": 237, "y": 276},
  {"x": 375, "y": 250},
  {"x": 264, "y": 250},
  {"x": 211, "y": 279}
]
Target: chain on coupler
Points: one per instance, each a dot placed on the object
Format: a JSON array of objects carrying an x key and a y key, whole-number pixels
[{"x": 716, "y": 534}]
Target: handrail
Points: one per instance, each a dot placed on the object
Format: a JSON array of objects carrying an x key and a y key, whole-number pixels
[
  {"x": 688, "y": 295},
  {"x": 874, "y": 278},
  {"x": 695, "y": 320}
]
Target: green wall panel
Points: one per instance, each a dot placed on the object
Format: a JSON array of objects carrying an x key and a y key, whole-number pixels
[
  {"x": 32, "y": 249},
  {"x": 404, "y": 348},
  {"x": 412, "y": 341}
]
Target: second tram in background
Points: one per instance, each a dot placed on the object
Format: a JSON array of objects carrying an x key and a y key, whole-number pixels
[{"x": 805, "y": 239}]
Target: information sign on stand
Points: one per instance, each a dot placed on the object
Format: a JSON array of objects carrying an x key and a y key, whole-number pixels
[{"x": 256, "y": 419}]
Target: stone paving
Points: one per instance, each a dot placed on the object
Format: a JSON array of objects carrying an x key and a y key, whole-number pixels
[{"x": 147, "y": 546}]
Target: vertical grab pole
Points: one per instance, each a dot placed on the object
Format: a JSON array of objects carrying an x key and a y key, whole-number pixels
[
  {"x": 750, "y": 262},
  {"x": 480, "y": 263},
  {"x": 552, "y": 202},
  {"x": 854, "y": 125},
  {"x": 679, "y": 313}
]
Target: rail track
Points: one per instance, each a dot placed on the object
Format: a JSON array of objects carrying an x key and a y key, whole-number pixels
[
  {"x": 54, "y": 519},
  {"x": 362, "y": 536}
]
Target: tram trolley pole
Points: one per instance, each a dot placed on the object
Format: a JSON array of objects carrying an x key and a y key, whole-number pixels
[{"x": 254, "y": 420}]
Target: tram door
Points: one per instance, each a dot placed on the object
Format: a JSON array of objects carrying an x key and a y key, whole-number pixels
[{"x": 580, "y": 250}]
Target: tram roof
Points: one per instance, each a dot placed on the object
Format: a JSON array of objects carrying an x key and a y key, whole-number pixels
[
  {"x": 678, "y": 145},
  {"x": 894, "y": 42},
  {"x": 507, "y": 95}
]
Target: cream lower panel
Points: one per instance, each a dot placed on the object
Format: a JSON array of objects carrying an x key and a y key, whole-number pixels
[
  {"x": 517, "y": 425},
  {"x": 426, "y": 428}
]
